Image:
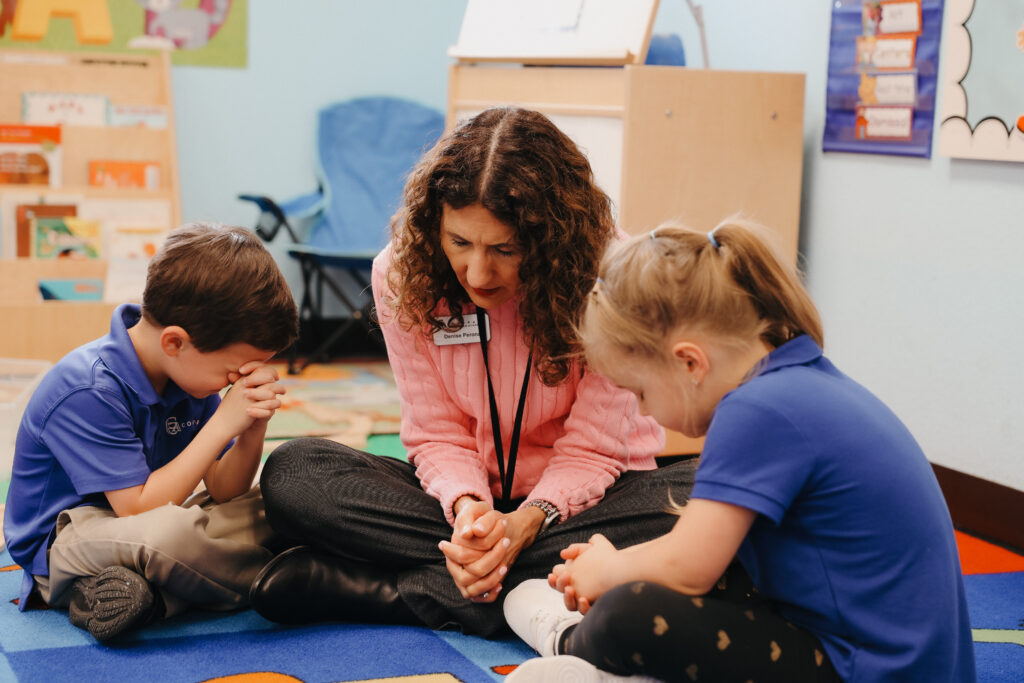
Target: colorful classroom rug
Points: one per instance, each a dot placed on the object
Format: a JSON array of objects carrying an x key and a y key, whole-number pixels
[
  {"x": 347, "y": 402},
  {"x": 357, "y": 404},
  {"x": 243, "y": 647}
]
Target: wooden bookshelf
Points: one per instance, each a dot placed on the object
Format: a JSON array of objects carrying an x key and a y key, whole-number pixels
[{"x": 33, "y": 328}]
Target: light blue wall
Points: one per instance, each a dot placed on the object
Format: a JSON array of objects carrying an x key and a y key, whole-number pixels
[{"x": 917, "y": 265}]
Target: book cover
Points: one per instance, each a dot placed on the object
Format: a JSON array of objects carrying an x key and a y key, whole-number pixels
[
  {"x": 135, "y": 242},
  {"x": 72, "y": 289},
  {"x": 56, "y": 108},
  {"x": 30, "y": 155},
  {"x": 25, "y": 213},
  {"x": 137, "y": 115},
  {"x": 66, "y": 237},
  {"x": 130, "y": 249},
  {"x": 143, "y": 175}
]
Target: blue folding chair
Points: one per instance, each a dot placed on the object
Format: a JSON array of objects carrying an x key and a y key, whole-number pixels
[{"x": 366, "y": 148}]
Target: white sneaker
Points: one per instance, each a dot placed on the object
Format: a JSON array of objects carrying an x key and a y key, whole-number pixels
[
  {"x": 537, "y": 614},
  {"x": 566, "y": 669}
]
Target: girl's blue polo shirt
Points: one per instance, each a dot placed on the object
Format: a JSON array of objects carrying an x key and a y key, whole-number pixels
[
  {"x": 853, "y": 537},
  {"x": 94, "y": 424}
]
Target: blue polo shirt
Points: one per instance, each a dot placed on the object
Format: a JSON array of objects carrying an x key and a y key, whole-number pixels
[
  {"x": 853, "y": 537},
  {"x": 94, "y": 424}
]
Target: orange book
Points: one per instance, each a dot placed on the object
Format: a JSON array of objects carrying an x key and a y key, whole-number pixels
[
  {"x": 144, "y": 175},
  {"x": 30, "y": 155}
]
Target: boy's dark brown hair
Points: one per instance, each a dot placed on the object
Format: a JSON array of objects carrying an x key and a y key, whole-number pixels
[{"x": 223, "y": 287}]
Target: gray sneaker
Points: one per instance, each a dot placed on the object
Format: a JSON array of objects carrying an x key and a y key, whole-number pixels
[
  {"x": 110, "y": 603},
  {"x": 567, "y": 669}
]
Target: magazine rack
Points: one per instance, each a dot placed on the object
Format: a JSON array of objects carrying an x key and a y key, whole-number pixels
[
  {"x": 666, "y": 143},
  {"x": 47, "y": 330}
]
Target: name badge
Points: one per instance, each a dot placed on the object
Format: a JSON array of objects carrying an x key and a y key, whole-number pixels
[{"x": 469, "y": 334}]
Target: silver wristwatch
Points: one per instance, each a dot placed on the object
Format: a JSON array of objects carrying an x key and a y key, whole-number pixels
[{"x": 551, "y": 513}]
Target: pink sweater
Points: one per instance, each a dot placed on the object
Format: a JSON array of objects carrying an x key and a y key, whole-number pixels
[{"x": 576, "y": 438}]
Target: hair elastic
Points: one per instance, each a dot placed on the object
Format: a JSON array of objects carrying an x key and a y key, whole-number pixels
[
  {"x": 653, "y": 236},
  {"x": 711, "y": 238}
]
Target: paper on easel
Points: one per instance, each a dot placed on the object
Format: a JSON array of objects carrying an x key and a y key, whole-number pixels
[{"x": 609, "y": 32}]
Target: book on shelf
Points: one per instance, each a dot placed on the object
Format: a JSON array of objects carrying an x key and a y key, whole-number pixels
[
  {"x": 64, "y": 108},
  {"x": 30, "y": 155},
  {"x": 26, "y": 213},
  {"x": 66, "y": 237},
  {"x": 129, "y": 251},
  {"x": 137, "y": 116},
  {"x": 71, "y": 289},
  {"x": 143, "y": 175}
]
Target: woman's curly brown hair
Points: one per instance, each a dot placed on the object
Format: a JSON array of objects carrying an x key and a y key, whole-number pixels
[{"x": 531, "y": 176}]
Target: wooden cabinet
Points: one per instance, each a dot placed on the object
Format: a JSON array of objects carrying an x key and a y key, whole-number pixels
[
  {"x": 667, "y": 143},
  {"x": 130, "y": 82}
]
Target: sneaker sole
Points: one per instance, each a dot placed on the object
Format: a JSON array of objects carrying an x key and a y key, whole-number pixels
[
  {"x": 566, "y": 669},
  {"x": 110, "y": 603}
]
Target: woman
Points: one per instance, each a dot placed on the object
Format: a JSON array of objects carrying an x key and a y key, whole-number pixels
[{"x": 515, "y": 449}]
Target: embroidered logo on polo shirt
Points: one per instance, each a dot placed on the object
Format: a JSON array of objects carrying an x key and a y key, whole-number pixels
[{"x": 174, "y": 427}]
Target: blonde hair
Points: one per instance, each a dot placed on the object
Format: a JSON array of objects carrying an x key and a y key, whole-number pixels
[{"x": 728, "y": 282}]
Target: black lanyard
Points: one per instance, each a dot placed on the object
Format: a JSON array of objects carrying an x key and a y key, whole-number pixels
[{"x": 513, "y": 447}]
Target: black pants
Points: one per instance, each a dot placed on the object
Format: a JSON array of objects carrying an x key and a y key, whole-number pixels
[
  {"x": 370, "y": 508},
  {"x": 730, "y": 634}
]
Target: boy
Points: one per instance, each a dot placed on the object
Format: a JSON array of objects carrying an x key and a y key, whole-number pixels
[{"x": 122, "y": 430}]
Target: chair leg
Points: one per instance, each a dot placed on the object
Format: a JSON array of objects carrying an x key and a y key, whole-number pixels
[
  {"x": 367, "y": 318},
  {"x": 321, "y": 352},
  {"x": 359, "y": 315},
  {"x": 309, "y": 308}
]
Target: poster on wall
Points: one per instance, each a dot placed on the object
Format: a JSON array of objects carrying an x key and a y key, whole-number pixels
[
  {"x": 983, "y": 81},
  {"x": 196, "y": 32},
  {"x": 882, "y": 76}
]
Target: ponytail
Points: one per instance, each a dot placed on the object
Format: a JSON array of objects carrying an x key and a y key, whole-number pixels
[
  {"x": 727, "y": 282},
  {"x": 775, "y": 290}
]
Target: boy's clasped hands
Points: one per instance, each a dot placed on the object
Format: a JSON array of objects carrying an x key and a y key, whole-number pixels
[{"x": 254, "y": 396}]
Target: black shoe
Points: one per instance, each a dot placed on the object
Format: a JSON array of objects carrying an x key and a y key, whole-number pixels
[
  {"x": 302, "y": 586},
  {"x": 112, "y": 602}
]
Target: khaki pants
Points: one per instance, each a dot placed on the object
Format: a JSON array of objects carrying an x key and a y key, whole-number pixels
[{"x": 199, "y": 553}]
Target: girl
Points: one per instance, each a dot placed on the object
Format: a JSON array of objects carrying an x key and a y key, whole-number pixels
[
  {"x": 515, "y": 449},
  {"x": 806, "y": 478}
]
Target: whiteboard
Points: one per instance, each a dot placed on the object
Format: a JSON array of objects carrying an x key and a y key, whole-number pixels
[{"x": 556, "y": 31}]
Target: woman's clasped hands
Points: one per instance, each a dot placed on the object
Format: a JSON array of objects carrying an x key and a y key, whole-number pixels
[{"x": 484, "y": 545}]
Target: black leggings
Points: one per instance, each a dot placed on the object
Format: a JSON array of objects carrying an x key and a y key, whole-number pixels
[
  {"x": 372, "y": 509},
  {"x": 730, "y": 634}
]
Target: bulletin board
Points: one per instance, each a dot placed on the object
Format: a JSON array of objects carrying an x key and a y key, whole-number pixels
[
  {"x": 195, "y": 33},
  {"x": 882, "y": 76},
  {"x": 983, "y": 81}
]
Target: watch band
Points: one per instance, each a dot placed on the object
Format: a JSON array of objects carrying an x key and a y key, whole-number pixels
[{"x": 551, "y": 513}]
